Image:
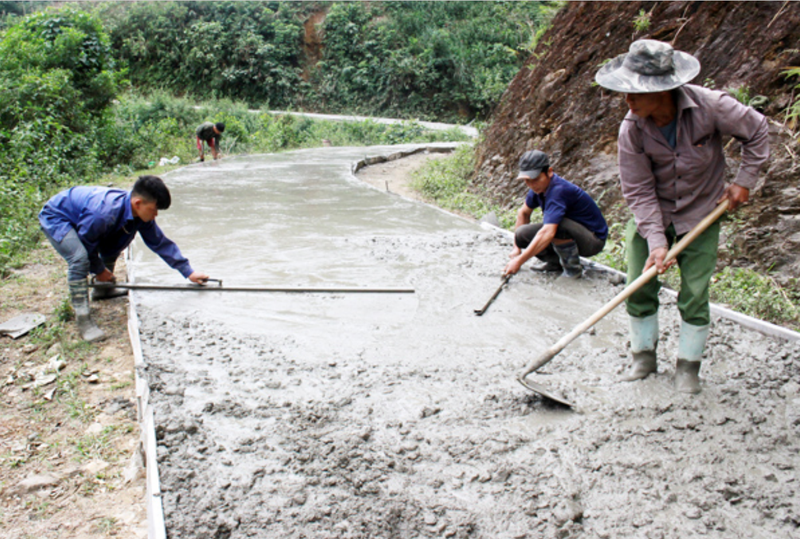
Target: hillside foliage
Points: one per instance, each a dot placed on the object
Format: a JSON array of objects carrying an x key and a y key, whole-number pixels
[{"x": 444, "y": 61}]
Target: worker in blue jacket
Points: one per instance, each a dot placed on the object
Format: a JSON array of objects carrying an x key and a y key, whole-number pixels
[{"x": 91, "y": 226}]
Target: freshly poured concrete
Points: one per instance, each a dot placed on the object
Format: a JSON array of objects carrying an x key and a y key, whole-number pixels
[{"x": 284, "y": 415}]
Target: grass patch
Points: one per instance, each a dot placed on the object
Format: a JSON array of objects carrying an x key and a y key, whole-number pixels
[
  {"x": 69, "y": 395},
  {"x": 99, "y": 446},
  {"x": 758, "y": 295},
  {"x": 445, "y": 182}
]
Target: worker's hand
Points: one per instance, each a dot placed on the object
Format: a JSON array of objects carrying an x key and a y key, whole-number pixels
[
  {"x": 513, "y": 266},
  {"x": 198, "y": 277},
  {"x": 656, "y": 259},
  {"x": 515, "y": 253},
  {"x": 736, "y": 195},
  {"x": 105, "y": 277}
]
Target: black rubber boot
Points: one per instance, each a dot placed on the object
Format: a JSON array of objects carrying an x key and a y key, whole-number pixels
[
  {"x": 547, "y": 267},
  {"x": 570, "y": 259},
  {"x": 109, "y": 292},
  {"x": 79, "y": 295}
]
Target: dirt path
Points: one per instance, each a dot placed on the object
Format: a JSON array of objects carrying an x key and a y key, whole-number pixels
[
  {"x": 395, "y": 176},
  {"x": 68, "y": 459}
]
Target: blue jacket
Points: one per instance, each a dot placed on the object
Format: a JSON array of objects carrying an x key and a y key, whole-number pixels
[{"x": 105, "y": 224}]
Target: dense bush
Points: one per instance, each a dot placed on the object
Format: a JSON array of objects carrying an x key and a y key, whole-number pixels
[
  {"x": 430, "y": 60},
  {"x": 437, "y": 60},
  {"x": 249, "y": 51},
  {"x": 58, "y": 79}
]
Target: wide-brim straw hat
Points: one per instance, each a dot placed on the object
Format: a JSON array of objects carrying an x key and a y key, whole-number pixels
[{"x": 648, "y": 66}]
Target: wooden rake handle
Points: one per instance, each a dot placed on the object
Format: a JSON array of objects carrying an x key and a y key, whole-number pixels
[{"x": 626, "y": 293}]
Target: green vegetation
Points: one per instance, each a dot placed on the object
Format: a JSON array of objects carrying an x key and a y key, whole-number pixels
[
  {"x": 160, "y": 125},
  {"x": 793, "y": 110},
  {"x": 642, "y": 21},
  {"x": 432, "y": 60},
  {"x": 757, "y": 294},
  {"x": 447, "y": 61},
  {"x": 446, "y": 183},
  {"x": 58, "y": 80},
  {"x": 742, "y": 94}
]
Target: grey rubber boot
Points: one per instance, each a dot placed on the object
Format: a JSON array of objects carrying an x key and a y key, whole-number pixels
[
  {"x": 110, "y": 292},
  {"x": 79, "y": 295},
  {"x": 691, "y": 345},
  {"x": 644, "y": 339},
  {"x": 547, "y": 267},
  {"x": 570, "y": 259}
]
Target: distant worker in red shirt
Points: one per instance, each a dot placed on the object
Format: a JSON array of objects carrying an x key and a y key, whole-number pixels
[{"x": 210, "y": 133}]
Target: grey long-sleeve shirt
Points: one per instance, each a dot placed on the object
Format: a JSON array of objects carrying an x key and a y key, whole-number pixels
[{"x": 681, "y": 186}]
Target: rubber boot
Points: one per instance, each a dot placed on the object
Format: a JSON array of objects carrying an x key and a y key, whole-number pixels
[
  {"x": 644, "y": 339},
  {"x": 691, "y": 345},
  {"x": 547, "y": 267},
  {"x": 570, "y": 259},
  {"x": 110, "y": 292},
  {"x": 79, "y": 294}
]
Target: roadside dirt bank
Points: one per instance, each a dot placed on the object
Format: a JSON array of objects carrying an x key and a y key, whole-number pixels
[
  {"x": 403, "y": 418},
  {"x": 395, "y": 176},
  {"x": 69, "y": 465}
]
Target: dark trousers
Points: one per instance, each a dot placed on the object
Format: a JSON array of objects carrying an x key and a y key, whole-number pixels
[{"x": 588, "y": 244}]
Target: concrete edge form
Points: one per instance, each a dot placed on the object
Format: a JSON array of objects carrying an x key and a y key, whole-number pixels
[
  {"x": 442, "y": 148},
  {"x": 156, "y": 528}
]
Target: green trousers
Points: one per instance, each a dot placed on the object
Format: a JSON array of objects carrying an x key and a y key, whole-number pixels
[{"x": 697, "y": 263}]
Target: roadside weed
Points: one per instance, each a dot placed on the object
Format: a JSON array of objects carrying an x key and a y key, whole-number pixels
[
  {"x": 757, "y": 294},
  {"x": 641, "y": 23},
  {"x": 446, "y": 183},
  {"x": 63, "y": 311},
  {"x": 106, "y": 525}
]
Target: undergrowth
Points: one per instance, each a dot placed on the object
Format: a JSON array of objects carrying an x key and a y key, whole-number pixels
[{"x": 445, "y": 182}]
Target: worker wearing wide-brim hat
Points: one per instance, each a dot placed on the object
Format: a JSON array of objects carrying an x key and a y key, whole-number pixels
[{"x": 672, "y": 173}]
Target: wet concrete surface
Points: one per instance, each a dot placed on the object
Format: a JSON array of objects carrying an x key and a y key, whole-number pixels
[{"x": 355, "y": 416}]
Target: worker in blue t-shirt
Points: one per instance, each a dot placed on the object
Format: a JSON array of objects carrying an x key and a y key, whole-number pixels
[
  {"x": 90, "y": 226},
  {"x": 573, "y": 225}
]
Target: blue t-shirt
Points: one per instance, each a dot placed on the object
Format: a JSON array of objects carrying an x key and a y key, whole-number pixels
[
  {"x": 564, "y": 199},
  {"x": 106, "y": 225}
]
